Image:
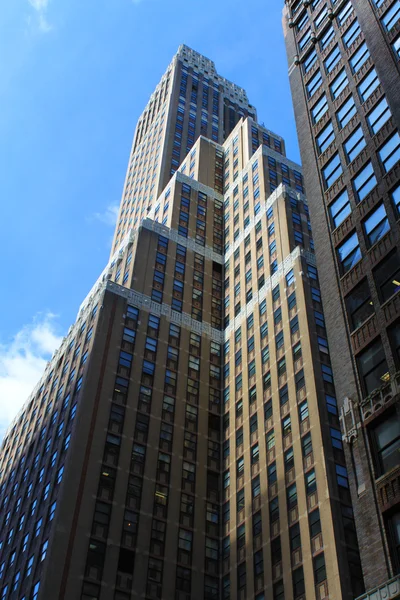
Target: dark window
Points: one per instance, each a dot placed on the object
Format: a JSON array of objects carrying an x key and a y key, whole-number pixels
[
  {"x": 372, "y": 367},
  {"x": 393, "y": 528},
  {"x": 359, "y": 304},
  {"x": 298, "y": 583},
  {"x": 319, "y": 568},
  {"x": 387, "y": 276},
  {"x": 385, "y": 438}
]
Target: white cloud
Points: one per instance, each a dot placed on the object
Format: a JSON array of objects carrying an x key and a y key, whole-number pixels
[
  {"x": 22, "y": 362},
  {"x": 109, "y": 216},
  {"x": 40, "y": 6}
]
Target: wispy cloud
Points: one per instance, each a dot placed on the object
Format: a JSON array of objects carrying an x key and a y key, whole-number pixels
[
  {"x": 22, "y": 362},
  {"x": 109, "y": 216},
  {"x": 40, "y": 6}
]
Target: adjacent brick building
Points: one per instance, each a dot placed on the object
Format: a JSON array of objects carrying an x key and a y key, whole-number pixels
[{"x": 345, "y": 79}]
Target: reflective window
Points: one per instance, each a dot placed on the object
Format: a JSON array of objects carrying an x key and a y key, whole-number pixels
[
  {"x": 390, "y": 152},
  {"x": 345, "y": 13},
  {"x": 359, "y": 58},
  {"x": 391, "y": 17},
  {"x": 332, "y": 59},
  {"x": 364, "y": 182},
  {"x": 354, "y": 144},
  {"x": 326, "y": 38},
  {"x": 318, "y": 111},
  {"x": 351, "y": 34},
  {"x": 338, "y": 84},
  {"x": 340, "y": 209},
  {"x": 325, "y": 138},
  {"x": 396, "y": 198},
  {"x": 332, "y": 171},
  {"x": 376, "y": 225},
  {"x": 310, "y": 60},
  {"x": 314, "y": 83},
  {"x": 346, "y": 112},
  {"x": 378, "y": 117},
  {"x": 349, "y": 253},
  {"x": 368, "y": 85}
]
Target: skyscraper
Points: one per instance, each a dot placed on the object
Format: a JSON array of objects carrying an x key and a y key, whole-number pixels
[
  {"x": 345, "y": 80},
  {"x": 184, "y": 440}
]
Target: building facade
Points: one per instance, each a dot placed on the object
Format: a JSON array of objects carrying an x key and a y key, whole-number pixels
[
  {"x": 184, "y": 441},
  {"x": 344, "y": 73}
]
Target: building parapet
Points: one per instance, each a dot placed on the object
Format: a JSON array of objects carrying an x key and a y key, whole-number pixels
[{"x": 387, "y": 591}]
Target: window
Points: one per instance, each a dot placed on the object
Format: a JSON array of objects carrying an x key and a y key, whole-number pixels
[
  {"x": 390, "y": 152},
  {"x": 325, "y": 138},
  {"x": 311, "y": 482},
  {"x": 391, "y": 17},
  {"x": 315, "y": 523},
  {"x": 346, "y": 112},
  {"x": 393, "y": 527},
  {"x": 291, "y": 494},
  {"x": 349, "y": 253},
  {"x": 278, "y": 591},
  {"x": 354, "y": 144},
  {"x": 396, "y": 46},
  {"x": 368, "y": 85},
  {"x": 379, "y": 116},
  {"x": 387, "y": 276},
  {"x": 340, "y": 208},
  {"x": 351, "y": 34},
  {"x": 303, "y": 411},
  {"x": 359, "y": 304},
  {"x": 345, "y": 13},
  {"x": 338, "y": 84},
  {"x": 332, "y": 171},
  {"x": 364, "y": 182},
  {"x": 314, "y": 84},
  {"x": 359, "y": 58},
  {"x": 298, "y": 582},
  {"x": 309, "y": 61},
  {"x": 318, "y": 111},
  {"x": 385, "y": 438},
  {"x": 376, "y": 225},
  {"x": 319, "y": 568},
  {"x": 372, "y": 367},
  {"x": 332, "y": 59}
]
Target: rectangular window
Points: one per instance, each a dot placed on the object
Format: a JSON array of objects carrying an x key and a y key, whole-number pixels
[
  {"x": 325, "y": 138},
  {"x": 345, "y": 13},
  {"x": 359, "y": 58},
  {"x": 368, "y": 85},
  {"x": 359, "y": 305},
  {"x": 396, "y": 199},
  {"x": 387, "y": 276},
  {"x": 314, "y": 84},
  {"x": 338, "y": 84},
  {"x": 346, "y": 112},
  {"x": 310, "y": 61},
  {"x": 340, "y": 208},
  {"x": 372, "y": 367},
  {"x": 332, "y": 59},
  {"x": 376, "y": 225},
  {"x": 326, "y": 37},
  {"x": 391, "y": 17},
  {"x": 354, "y": 144},
  {"x": 379, "y": 116},
  {"x": 385, "y": 438},
  {"x": 351, "y": 34},
  {"x": 390, "y": 152},
  {"x": 364, "y": 182},
  {"x": 332, "y": 171},
  {"x": 349, "y": 253},
  {"x": 318, "y": 111}
]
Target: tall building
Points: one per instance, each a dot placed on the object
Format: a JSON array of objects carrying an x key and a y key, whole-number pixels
[
  {"x": 345, "y": 79},
  {"x": 184, "y": 441}
]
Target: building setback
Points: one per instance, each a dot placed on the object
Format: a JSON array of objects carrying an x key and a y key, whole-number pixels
[
  {"x": 344, "y": 74},
  {"x": 184, "y": 441}
]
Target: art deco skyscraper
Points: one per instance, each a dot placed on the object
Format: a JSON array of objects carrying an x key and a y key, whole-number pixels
[
  {"x": 184, "y": 441},
  {"x": 345, "y": 77}
]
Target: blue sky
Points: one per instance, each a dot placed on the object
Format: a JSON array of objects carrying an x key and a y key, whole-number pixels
[{"x": 75, "y": 77}]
